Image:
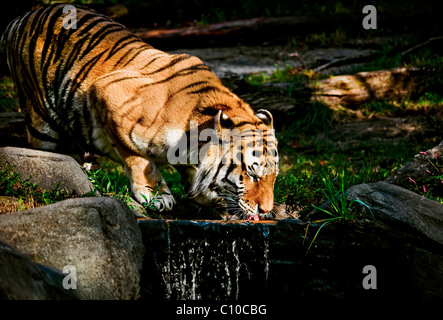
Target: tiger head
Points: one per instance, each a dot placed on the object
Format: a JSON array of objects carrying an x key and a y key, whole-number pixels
[{"x": 239, "y": 166}]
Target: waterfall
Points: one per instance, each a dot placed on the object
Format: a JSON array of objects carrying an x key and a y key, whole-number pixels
[{"x": 212, "y": 260}]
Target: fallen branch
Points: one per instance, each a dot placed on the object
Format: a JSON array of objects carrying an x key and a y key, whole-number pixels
[
  {"x": 365, "y": 86},
  {"x": 421, "y": 45},
  {"x": 251, "y": 30}
]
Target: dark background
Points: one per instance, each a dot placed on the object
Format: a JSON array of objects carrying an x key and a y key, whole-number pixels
[{"x": 400, "y": 15}]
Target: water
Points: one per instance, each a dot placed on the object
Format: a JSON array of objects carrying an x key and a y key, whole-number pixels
[{"x": 214, "y": 260}]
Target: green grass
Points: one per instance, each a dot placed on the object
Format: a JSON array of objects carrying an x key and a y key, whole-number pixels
[
  {"x": 432, "y": 185},
  {"x": 279, "y": 75},
  {"x": 109, "y": 179},
  {"x": 424, "y": 58},
  {"x": 305, "y": 160},
  {"x": 28, "y": 194},
  {"x": 327, "y": 39},
  {"x": 430, "y": 99},
  {"x": 8, "y": 98},
  {"x": 302, "y": 155},
  {"x": 424, "y": 104},
  {"x": 335, "y": 190}
]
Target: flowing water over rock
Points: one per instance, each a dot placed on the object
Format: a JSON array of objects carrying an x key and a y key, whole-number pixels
[{"x": 206, "y": 260}]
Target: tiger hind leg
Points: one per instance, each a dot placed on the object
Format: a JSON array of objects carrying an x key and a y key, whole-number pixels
[
  {"x": 40, "y": 134},
  {"x": 42, "y": 137},
  {"x": 147, "y": 183}
]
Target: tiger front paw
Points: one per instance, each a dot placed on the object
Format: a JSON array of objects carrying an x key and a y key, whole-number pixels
[
  {"x": 162, "y": 202},
  {"x": 158, "y": 201}
]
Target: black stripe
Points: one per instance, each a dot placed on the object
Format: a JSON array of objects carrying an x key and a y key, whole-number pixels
[
  {"x": 211, "y": 111},
  {"x": 195, "y": 84},
  {"x": 64, "y": 68},
  {"x": 39, "y": 135},
  {"x": 230, "y": 182},
  {"x": 123, "y": 57},
  {"x": 192, "y": 85},
  {"x": 80, "y": 76},
  {"x": 220, "y": 165},
  {"x": 153, "y": 60},
  {"x": 120, "y": 44},
  {"x": 32, "y": 91},
  {"x": 88, "y": 123},
  {"x": 182, "y": 73},
  {"x": 243, "y": 164},
  {"x": 231, "y": 168},
  {"x": 87, "y": 28},
  {"x": 172, "y": 63},
  {"x": 206, "y": 89},
  {"x": 242, "y": 123},
  {"x": 141, "y": 49},
  {"x": 44, "y": 54},
  {"x": 95, "y": 39},
  {"x": 33, "y": 79}
]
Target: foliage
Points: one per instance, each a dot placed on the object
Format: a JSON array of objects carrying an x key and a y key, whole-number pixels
[
  {"x": 296, "y": 188},
  {"x": 432, "y": 185},
  {"x": 327, "y": 39},
  {"x": 8, "y": 99},
  {"x": 28, "y": 193},
  {"x": 335, "y": 189},
  {"x": 110, "y": 181},
  {"x": 424, "y": 58},
  {"x": 279, "y": 75}
]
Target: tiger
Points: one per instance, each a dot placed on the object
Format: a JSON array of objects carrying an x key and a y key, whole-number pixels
[{"x": 90, "y": 85}]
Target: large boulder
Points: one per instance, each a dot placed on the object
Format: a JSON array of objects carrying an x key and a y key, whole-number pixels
[
  {"x": 99, "y": 237},
  {"x": 401, "y": 208},
  {"x": 21, "y": 279},
  {"x": 48, "y": 169}
]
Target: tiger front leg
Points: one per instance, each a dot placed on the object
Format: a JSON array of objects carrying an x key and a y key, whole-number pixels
[{"x": 145, "y": 178}]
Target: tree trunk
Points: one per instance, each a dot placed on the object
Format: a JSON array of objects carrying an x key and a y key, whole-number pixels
[{"x": 355, "y": 89}]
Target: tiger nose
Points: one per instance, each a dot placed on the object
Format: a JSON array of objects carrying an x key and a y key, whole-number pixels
[{"x": 265, "y": 207}]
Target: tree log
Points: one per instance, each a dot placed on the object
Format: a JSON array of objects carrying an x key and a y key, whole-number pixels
[
  {"x": 345, "y": 90},
  {"x": 265, "y": 29},
  {"x": 355, "y": 89},
  {"x": 257, "y": 30}
]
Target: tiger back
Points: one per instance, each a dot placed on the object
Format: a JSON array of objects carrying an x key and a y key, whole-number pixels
[{"x": 99, "y": 88}]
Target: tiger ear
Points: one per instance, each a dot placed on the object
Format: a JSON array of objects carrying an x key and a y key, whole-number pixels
[
  {"x": 222, "y": 121},
  {"x": 265, "y": 116}
]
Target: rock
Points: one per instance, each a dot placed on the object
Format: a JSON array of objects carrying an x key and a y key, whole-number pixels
[
  {"x": 98, "y": 236},
  {"x": 420, "y": 169},
  {"x": 21, "y": 279},
  {"x": 401, "y": 208},
  {"x": 48, "y": 169}
]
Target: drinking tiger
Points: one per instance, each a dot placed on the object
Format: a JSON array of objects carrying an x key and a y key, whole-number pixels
[{"x": 99, "y": 88}]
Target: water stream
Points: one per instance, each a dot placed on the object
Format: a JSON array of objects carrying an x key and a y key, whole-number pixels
[{"x": 212, "y": 260}]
